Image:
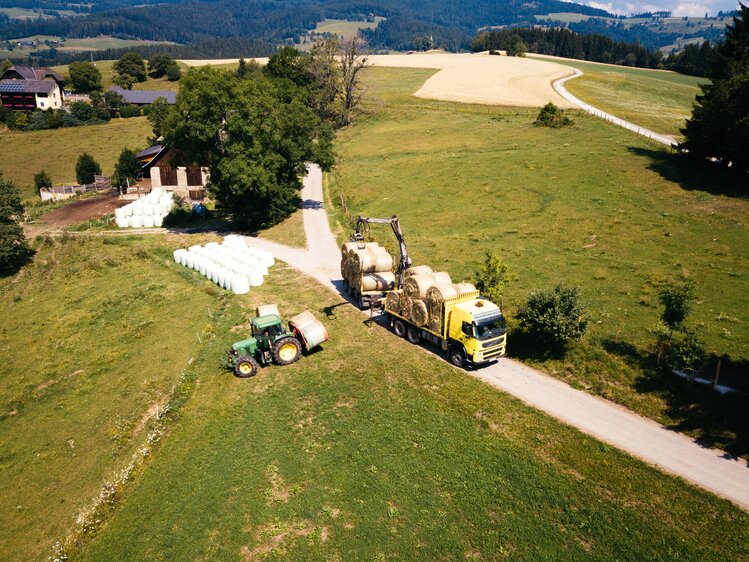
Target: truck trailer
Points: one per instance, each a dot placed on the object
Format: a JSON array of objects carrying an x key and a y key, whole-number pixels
[{"x": 472, "y": 330}]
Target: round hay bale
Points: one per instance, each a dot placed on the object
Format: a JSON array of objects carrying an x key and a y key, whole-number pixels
[
  {"x": 419, "y": 313},
  {"x": 405, "y": 301},
  {"x": 435, "y": 323},
  {"x": 384, "y": 281},
  {"x": 439, "y": 292},
  {"x": 418, "y": 270},
  {"x": 346, "y": 247},
  {"x": 383, "y": 262},
  {"x": 442, "y": 278},
  {"x": 367, "y": 261},
  {"x": 344, "y": 264},
  {"x": 463, "y": 288},
  {"x": 393, "y": 302},
  {"x": 416, "y": 286},
  {"x": 377, "y": 249}
]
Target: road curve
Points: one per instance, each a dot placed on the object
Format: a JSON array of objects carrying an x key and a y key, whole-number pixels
[
  {"x": 559, "y": 87},
  {"x": 708, "y": 468}
]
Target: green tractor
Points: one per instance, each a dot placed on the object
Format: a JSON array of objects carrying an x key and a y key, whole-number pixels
[{"x": 271, "y": 342}]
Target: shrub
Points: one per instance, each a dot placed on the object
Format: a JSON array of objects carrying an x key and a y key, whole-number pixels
[
  {"x": 127, "y": 166},
  {"x": 683, "y": 350},
  {"x": 14, "y": 250},
  {"x": 552, "y": 116},
  {"x": 41, "y": 180},
  {"x": 86, "y": 168},
  {"x": 492, "y": 277},
  {"x": 82, "y": 110},
  {"x": 180, "y": 214},
  {"x": 555, "y": 317},
  {"x": 130, "y": 110},
  {"x": 677, "y": 299}
]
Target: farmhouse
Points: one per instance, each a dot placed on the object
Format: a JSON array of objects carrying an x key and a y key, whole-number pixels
[
  {"x": 24, "y": 88},
  {"x": 143, "y": 97},
  {"x": 160, "y": 164}
]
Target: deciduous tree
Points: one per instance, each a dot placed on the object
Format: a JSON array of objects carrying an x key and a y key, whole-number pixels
[
  {"x": 14, "y": 250},
  {"x": 84, "y": 77}
]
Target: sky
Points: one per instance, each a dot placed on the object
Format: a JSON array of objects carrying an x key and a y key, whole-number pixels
[{"x": 676, "y": 7}]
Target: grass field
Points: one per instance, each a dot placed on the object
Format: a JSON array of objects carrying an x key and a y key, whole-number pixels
[
  {"x": 593, "y": 205},
  {"x": 86, "y": 360},
  {"x": 657, "y": 100},
  {"x": 344, "y": 28},
  {"x": 81, "y": 44},
  {"x": 289, "y": 232},
  {"x": 56, "y": 150},
  {"x": 347, "y": 455},
  {"x": 659, "y": 25},
  {"x": 24, "y": 14}
]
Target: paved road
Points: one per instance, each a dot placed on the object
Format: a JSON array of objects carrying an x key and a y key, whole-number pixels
[
  {"x": 562, "y": 91},
  {"x": 673, "y": 452}
]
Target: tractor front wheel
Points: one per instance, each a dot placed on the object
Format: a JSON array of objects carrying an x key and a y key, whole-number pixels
[
  {"x": 245, "y": 366},
  {"x": 287, "y": 350}
]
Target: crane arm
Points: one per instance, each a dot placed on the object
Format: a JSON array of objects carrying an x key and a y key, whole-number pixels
[{"x": 362, "y": 226}]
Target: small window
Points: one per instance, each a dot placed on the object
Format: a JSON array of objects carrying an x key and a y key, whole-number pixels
[
  {"x": 468, "y": 329},
  {"x": 41, "y": 104}
]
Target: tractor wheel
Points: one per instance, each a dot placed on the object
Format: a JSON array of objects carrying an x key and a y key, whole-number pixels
[
  {"x": 457, "y": 356},
  {"x": 399, "y": 327},
  {"x": 245, "y": 366},
  {"x": 413, "y": 335},
  {"x": 287, "y": 350}
]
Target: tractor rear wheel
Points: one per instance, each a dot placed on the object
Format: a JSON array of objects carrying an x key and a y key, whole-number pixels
[
  {"x": 287, "y": 350},
  {"x": 245, "y": 366}
]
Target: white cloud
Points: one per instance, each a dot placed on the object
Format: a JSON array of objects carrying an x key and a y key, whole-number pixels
[
  {"x": 609, "y": 7},
  {"x": 689, "y": 9}
]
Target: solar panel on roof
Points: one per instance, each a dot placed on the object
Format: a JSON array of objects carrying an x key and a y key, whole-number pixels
[{"x": 11, "y": 87}]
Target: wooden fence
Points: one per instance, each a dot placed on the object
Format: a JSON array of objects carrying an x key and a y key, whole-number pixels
[{"x": 57, "y": 192}]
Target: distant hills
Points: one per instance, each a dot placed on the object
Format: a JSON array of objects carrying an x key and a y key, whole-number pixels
[{"x": 408, "y": 24}]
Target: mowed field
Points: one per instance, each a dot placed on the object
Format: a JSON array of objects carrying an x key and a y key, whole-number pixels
[
  {"x": 657, "y": 100},
  {"x": 592, "y": 205},
  {"x": 347, "y": 454},
  {"x": 93, "y": 337},
  {"x": 24, "y": 153}
]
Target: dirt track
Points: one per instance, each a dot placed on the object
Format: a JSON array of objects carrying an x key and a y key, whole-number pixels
[
  {"x": 670, "y": 451},
  {"x": 74, "y": 213}
]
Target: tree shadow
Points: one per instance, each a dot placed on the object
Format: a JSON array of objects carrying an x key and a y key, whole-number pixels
[
  {"x": 694, "y": 174},
  {"x": 523, "y": 346}
]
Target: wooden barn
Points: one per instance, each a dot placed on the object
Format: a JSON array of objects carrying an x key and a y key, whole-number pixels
[{"x": 160, "y": 164}]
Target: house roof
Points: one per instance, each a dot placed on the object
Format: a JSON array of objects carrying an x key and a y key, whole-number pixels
[
  {"x": 149, "y": 152},
  {"x": 143, "y": 97},
  {"x": 27, "y": 86},
  {"x": 31, "y": 73}
]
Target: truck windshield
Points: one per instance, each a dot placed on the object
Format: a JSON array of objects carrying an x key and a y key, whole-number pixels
[{"x": 491, "y": 328}]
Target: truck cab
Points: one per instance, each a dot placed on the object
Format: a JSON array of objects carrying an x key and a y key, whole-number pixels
[{"x": 476, "y": 331}]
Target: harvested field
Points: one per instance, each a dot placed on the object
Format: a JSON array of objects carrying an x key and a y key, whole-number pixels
[
  {"x": 470, "y": 78},
  {"x": 484, "y": 79}
]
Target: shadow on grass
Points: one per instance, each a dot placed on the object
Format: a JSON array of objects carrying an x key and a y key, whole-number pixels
[
  {"x": 524, "y": 347},
  {"x": 693, "y": 174}
]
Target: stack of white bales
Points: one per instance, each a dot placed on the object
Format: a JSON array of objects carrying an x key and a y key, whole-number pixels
[
  {"x": 424, "y": 291},
  {"x": 367, "y": 268},
  {"x": 147, "y": 212},
  {"x": 232, "y": 265}
]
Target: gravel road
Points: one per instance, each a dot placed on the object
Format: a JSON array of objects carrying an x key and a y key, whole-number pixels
[{"x": 708, "y": 468}]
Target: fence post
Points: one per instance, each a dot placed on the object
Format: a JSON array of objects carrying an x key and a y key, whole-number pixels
[{"x": 717, "y": 374}]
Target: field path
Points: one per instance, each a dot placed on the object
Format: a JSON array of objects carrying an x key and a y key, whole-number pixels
[
  {"x": 645, "y": 439},
  {"x": 560, "y": 88}
]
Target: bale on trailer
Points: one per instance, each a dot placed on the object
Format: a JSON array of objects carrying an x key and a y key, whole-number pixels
[
  {"x": 418, "y": 270},
  {"x": 393, "y": 302},
  {"x": 435, "y": 298},
  {"x": 416, "y": 286},
  {"x": 419, "y": 313},
  {"x": 464, "y": 288},
  {"x": 384, "y": 281}
]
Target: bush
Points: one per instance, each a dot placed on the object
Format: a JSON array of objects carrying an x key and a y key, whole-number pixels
[
  {"x": 82, "y": 110},
  {"x": 14, "y": 250},
  {"x": 677, "y": 299},
  {"x": 555, "y": 317},
  {"x": 41, "y": 180},
  {"x": 86, "y": 168},
  {"x": 682, "y": 350},
  {"x": 130, "y": 110},
  {"x": 551, "y": 116},
  {"x": 180, "y": 214},
  {"x": 492, "y": 277}
]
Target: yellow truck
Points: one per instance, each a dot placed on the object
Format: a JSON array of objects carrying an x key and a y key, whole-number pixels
[{"x": 472, "y": 330}]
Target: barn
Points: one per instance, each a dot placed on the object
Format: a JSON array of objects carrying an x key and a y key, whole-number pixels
[{"x": 162, "y": 165}]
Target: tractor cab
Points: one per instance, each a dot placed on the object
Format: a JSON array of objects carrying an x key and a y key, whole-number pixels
[{"x": 267, "y": 329}]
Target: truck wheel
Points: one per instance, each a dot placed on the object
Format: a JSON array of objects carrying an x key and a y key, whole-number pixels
[
  {"x": 399, "y": 327},
  {"x": 413, "y": 335},
  {"x": 457, "y": 356},
  {"x": 245, "y": 367},
  {"x": 287, "y": 350}
]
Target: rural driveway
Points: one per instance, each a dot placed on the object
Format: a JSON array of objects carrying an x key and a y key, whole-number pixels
[{"x": 673, "y": 452}]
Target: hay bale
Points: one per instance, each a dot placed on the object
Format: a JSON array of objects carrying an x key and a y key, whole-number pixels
[
  {"x": 436, "y": 295},
  {"x": 435, "y": 323},
  {"x": 442, "y": 278},
  {"x": 464, "y": 288},
  {"x": 418, "y": 270},
  {"x": 381, "y": 281},
  {"x": 266, "y": 309},
  {"x": 405, "y": 305},
  {"x": 419, "y": 312},
  {"x": 347, "y": 246},
  {"x": 393, "y": 302},
  {"x": 416, "y": 286},
  {"x": 368, "y": 261}
]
